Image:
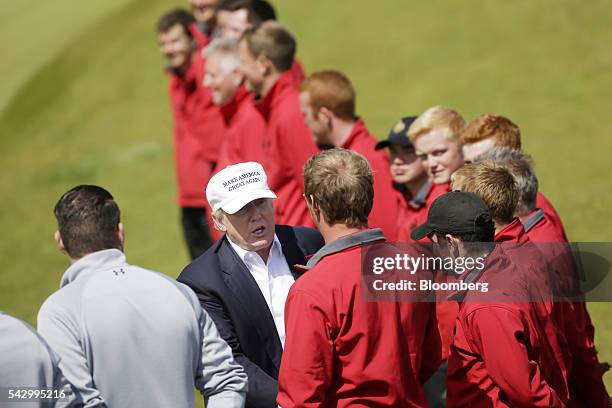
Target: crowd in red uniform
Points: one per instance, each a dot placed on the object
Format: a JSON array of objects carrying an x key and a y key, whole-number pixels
[{"x": 238, "y": 94}]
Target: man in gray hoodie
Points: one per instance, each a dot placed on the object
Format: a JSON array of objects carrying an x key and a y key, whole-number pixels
[
  {"x": 128, "y": 336},
  {"x": 29, "y": 370}
]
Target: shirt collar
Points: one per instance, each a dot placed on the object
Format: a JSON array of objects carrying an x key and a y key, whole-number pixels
[
  {"x": 346, "y": 242},
  {"x": 275, "y": 249},
  {"x": 97, "y": 261}
]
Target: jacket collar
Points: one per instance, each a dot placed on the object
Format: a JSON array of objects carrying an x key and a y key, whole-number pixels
[
  {"x": 534, "y": 218},
  {"x": 284, "y": 84},
  {"x": 346, "y": 242},
  {"x": 97, "y": 261},
  {"x": 359, "y": 131},
  {"x": 512, "y": 233},
  {"x": 420, "y": 199},
  {"x": 496, "y": 260},
  {"x": 230, "y": 108}
]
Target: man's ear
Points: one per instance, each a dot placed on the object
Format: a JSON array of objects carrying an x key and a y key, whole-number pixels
[
  {"x": 324, "y": 114},
  {"x": 265, "y": 65},
  {"x": 219, "y": 225},
  {"x": 60, "y": 244},
  {"x": 453, "y": 243},
  {"x": 237, "y": 77},
  {"x": 121, "y": 234}
]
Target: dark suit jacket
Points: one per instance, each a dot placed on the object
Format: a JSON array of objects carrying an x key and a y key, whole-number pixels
[{"x": 230, "y": 295}]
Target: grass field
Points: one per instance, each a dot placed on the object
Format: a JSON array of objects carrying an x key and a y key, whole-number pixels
[{"x": 84, "y": 101}]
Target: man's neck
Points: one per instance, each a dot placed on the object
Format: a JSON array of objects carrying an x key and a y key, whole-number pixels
[
  {"x": 268, "y": 83},
  {"x": 341, "y": 131},
  {"x": 414, "y": 186},
  {"x": 264, "y": 253},
  {"x": 182, "y": 70},
  {"x": 500, "y": 225},
  {"x": 333, "y": 232}
]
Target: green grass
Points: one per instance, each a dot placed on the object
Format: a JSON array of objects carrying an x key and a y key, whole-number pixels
[{"x": 84, "y": 101}]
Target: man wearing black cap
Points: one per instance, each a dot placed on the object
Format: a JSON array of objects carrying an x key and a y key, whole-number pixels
[
  {"x": 501, "y": 354},
  {"x": 409, "y": 177}
]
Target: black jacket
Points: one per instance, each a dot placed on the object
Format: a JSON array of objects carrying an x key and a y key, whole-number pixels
[{"x": 230, "y": 295}]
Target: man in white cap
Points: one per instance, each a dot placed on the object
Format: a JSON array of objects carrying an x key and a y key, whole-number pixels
[{"x": 243, "y": 280}]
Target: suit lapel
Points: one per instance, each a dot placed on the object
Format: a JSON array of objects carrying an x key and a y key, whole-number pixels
[
  {"x": 242, "y": 284},
  {"x": 293, "y": 253}
]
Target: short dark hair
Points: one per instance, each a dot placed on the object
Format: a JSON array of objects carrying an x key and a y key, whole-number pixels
[
  {"x": 87, "y": 219},
  {"x": 174, "y": 17},
  {"x": 342, "y": 184},
  {"x": 258, "y": 10},
  {"x": 274, "y": 41}
]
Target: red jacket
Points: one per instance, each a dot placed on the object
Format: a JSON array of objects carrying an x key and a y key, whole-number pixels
[
  {"x": 297, "y": 70},
  {"x": 409, "y": 209},
  {"x": 201, "y": 38},
  {"x": 342, "y": 351},
  {"x": 543, "y": 203},
  {"x": 198, "y": 131},
  {"x": 385, "y": 212},
  {"x": 502, "y": 353},
  {"x": 586, "y": 382},
  {"x": 447, "y": 310},
  {"x": 436, "y": 191},
  {"x": 245, "y": 130},
  {"x": 286, "y": 147}
]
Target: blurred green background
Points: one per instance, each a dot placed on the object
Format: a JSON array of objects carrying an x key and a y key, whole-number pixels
[{"x": 84, "y": 101}]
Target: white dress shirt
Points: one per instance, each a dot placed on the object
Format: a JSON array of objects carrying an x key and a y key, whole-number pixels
[{"x": 273, "y": 278}]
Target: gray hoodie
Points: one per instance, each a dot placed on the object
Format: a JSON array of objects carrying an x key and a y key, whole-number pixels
[
  {"x": 129, "y": 337},
  {"x": 26, "y": 361}
]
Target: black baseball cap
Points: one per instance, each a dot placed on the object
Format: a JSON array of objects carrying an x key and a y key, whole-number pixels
[
  {"x": 457, "y": 213},
  {"x": 398, "y": 135}
]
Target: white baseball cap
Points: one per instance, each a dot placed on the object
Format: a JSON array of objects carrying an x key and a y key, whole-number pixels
[{"x": 237, "y": 185}]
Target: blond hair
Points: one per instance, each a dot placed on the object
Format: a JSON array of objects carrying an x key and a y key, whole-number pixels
[
  {"x": 494, "y": 184},
  {"x": 505, "y": 132},
  {"x": 341, "y": 183},
  {"x": 437, "y": 117}
]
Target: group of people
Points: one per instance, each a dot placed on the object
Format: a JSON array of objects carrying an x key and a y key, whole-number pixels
[{"x": 282, "y": 188}]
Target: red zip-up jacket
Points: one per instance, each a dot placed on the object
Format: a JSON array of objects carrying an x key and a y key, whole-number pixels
[
  {"x": 342, "y": 351},
  {"x": 385, "y": 210},
  {"x": 198, "y": 131},
  {"x": 297, "y": 70},
  {"x": 447, "y": 310},
  {"x": 436, "y": 191},
  {"x": 287, "y": 145},
  {"x": 245, "y": 130},
  {"x": 410, "y": 208},
  {"x": 201, "y": 38},
  {"x": 543, "y": 203},
  {"x": 502, "y": 354},
  {"x": 572, "y": 320},
  {"x": 586, "y": 382}
]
